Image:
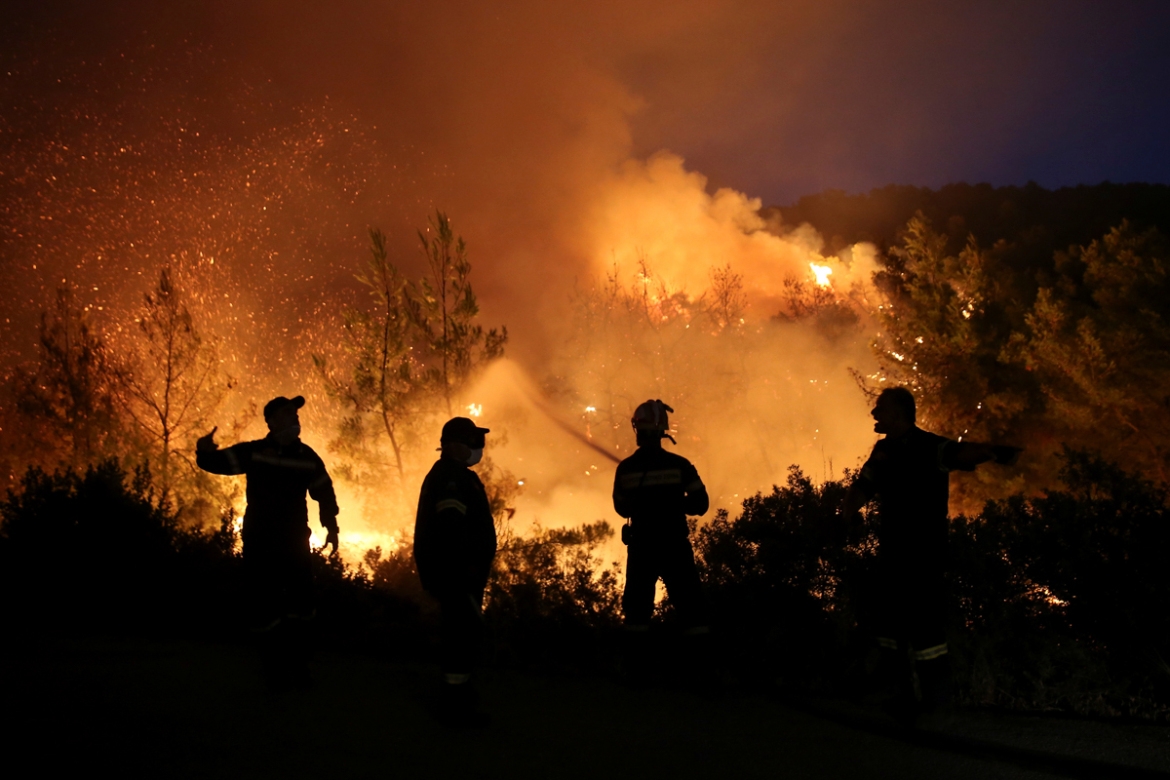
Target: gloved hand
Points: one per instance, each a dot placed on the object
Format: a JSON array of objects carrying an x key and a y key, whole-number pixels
[
  {"x": 331, "y": 539},
  {"x": 207, "y": 443}
]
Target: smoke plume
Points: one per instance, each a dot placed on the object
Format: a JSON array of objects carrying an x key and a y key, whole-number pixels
[{"x": 249, "y": 146}]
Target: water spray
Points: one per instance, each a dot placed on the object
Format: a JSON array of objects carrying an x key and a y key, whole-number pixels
[{"x": 533, "y": 395}]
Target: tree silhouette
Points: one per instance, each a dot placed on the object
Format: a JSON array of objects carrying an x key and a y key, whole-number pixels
[
  {"x": 68, "y": 397},
  {"x": 408, "y": 356},
  {"x": 386, "y": 380},
  {"x": 174, "y": 383},
  {"x": 1098, "y": 341},
  {"x": 449, "y": 308}
]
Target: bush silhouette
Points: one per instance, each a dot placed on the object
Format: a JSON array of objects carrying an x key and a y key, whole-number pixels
[{"x": 96, "y": 548}]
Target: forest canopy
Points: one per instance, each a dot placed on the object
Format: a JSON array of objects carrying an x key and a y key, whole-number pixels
[{"x": 1015, "y": 319}]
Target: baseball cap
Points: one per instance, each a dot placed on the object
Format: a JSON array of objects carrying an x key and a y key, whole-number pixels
[
  {"x": 463, "y": 431},
  {"x": 280, "y": 402}
]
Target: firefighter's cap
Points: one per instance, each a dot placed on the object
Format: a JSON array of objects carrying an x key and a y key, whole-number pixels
[
  {"x": 280, "y": 402},
  {"x": 462, "y": 430}
]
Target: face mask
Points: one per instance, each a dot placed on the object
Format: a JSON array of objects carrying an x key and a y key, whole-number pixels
[
  {"x": 475, "y": 457},
  {"x": 286, "y": 436}
]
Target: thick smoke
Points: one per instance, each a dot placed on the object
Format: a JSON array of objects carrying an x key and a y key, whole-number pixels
[{"x": 253, "y": 146}]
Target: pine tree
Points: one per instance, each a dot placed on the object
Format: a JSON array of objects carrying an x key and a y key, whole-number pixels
[
  {"x": 68, "y": 396},
  {"x": 1098, "y": 342},
  {"x": 408, "y": 356},
  {"x": 174, "y": 383},
  {"x": 449, "y": 308},
  {"x": 385, "y": 384}
]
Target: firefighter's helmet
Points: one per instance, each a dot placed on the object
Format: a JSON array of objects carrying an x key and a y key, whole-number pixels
[{"x": 652, "y": 416}]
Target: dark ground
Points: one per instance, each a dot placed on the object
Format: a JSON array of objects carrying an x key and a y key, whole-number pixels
[{"x": 142, "y": 708}]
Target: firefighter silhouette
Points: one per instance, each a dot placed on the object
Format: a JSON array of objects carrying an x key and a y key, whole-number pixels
[
  {"x": 280, "y": 469},
  {"x": 454, "y": 544},
  {"x": 655, "y": 491},
  {"x": 908, "y": 474}
]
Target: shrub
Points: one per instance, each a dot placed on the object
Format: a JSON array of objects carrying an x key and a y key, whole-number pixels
[
  {"x": 782, "y": 580},
  {"x": 549, "y": 601},
  {"x": 1058, "y": 602},
  {"x": 97, "y": 548},
  {"x": 1065, "y": 596}
]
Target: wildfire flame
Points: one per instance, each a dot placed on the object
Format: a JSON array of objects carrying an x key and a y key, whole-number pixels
[
  {"x": 263, "y": 293},
  {"x": 822, "y": 273}
]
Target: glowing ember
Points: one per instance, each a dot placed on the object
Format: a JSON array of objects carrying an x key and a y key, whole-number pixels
[
  {"x": 474, "y": 410},
  {"x": 822, "y": 273}
]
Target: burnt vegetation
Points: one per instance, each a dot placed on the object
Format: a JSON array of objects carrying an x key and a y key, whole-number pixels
[{"x": 1016, "y": 314}]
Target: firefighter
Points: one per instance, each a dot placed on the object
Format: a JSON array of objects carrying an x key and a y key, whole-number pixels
[
  {"x": 655, "y": 491},
  {"x": 908, "y": 474},
  {"x": 454, "y": 544},
  {"x": 280, "y": 469}
]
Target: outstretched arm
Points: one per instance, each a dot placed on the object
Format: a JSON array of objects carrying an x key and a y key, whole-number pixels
[
  {"x": 228, "y": 462},
  {"x": 966, "y": 455}
]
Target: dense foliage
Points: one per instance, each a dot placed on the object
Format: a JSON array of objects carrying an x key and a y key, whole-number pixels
[
  {"x": 1064, "y": 597},
  {"x": 1074, "y": 351},
  {"x": 405, "y": 359},
  {"x": 1058, "y": 602},
  {"x": 97, "y": 548},
  {"x": 1034, "y": 221}
]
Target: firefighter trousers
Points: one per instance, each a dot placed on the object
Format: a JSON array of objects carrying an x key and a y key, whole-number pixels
[
  {"x": 461, "y": 633},
  {"x": 673, "y": 561}
]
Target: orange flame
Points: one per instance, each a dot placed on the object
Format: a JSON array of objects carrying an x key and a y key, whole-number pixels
[{"x": 822, "y": 273}]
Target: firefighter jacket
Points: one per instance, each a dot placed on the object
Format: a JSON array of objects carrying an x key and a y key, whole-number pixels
[
  {"x": 910, "y": 477},
  {"x": 656, "y": 490},
  {"x": 454, "y": 533},
  {"x": 278, "y": 478}
]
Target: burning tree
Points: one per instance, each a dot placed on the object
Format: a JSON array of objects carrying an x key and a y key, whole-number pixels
[
  {"x": 725, "y": 301},
  {"x": 752, "y": 386},
  {"x": 1097, "y": 339},
  {"x": 448, "y": 308},
  {"x": 636, "y": 336},
  {"x": 173, "y": 384},
  {"x": 407, "y": 357},
  {"x": 68, "y": 399},
  {"x": 944, "y": 322},
  {"x": 940, "y": 335},
  {"x": 1073, "y": 352},
  {"x": 386, "y": 380}
]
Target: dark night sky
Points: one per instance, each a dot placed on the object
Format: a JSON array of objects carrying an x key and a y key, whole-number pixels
[
  {"x": 927, "y": 93},
  {"x": 775, "y": 99}
]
